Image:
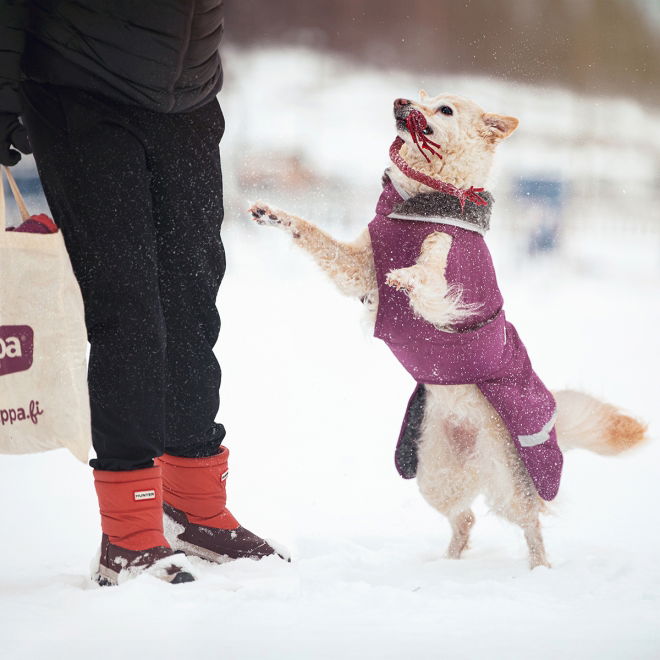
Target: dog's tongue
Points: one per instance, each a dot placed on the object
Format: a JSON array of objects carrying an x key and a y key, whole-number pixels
[{"x": 416, "y": 123}]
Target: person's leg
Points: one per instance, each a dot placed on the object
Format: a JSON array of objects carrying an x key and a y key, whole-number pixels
[
  {"x": 186, "y": 188},
  {"x": 187, "y": 193},
  {"x": 96, "y": 180}
]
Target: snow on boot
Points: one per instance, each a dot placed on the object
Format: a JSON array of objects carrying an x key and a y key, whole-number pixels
[
  {"x": 197, "y": 520},
  {"x": 133, "y": 542}
]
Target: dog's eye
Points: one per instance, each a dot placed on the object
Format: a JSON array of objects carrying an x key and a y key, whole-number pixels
[
  {"x": 446, "y": 110},
  {"x": 427, "y": 131}
]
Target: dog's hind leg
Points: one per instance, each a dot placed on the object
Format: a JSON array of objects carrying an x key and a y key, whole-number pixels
[
  {"x": 524, "y": 511},
  {"x": 534, "y": 538},
  {"x": 349, "y": 265},
  {"x": 461, "y": 524},
  {"x": 447, "y": 471}
]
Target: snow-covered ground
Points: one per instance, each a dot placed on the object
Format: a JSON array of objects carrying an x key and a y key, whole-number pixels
[{"x": 313, "y": 406}]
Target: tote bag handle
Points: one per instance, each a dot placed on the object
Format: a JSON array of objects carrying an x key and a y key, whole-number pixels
[{"x": 20, "y": 202}]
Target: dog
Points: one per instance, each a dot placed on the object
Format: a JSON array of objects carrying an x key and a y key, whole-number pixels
[{"x": 457, "y": 438}]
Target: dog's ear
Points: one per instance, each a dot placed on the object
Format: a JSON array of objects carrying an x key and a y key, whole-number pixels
[
  {"x": 498, "y": 127},
  {"x": 423, "y": 95}
]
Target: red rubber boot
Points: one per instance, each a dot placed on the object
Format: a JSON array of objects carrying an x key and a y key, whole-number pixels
[
  {"x": 197, "y": 520},
  {"x": 132, "y": 523}
]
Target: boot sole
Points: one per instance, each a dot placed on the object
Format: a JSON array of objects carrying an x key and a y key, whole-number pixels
[{"x": 106, "y": 577}]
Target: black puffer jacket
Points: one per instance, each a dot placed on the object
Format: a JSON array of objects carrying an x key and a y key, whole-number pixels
[{"x": 158, "y": 54}]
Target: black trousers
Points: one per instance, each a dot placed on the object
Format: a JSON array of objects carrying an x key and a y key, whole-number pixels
[{"x": 138, "y": 198}]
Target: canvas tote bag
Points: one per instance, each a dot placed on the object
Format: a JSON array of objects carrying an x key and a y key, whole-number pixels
[{"x": 44, "y": 401}]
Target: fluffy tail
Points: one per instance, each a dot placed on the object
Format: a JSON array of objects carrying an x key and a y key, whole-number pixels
[{"x": 587, "y": 423}]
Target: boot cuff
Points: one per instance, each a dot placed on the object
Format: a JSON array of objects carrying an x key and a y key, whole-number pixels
[
  {"x": 221, "y": 458},
  {"x": 126, "y": 476}
]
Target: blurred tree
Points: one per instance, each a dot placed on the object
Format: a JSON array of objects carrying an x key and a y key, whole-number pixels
[{"x": 598, "y": 46}]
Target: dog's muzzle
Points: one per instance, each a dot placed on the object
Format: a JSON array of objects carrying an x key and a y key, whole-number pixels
[{"x": 402, "y": 108}]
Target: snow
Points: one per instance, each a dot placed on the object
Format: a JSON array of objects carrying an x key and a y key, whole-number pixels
[{"x": 312, "y": 405}]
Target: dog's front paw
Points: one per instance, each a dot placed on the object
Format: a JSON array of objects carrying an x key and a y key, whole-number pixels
[
  {"x": 402, "y": 280},
  {"x": 263, "y": 214}
]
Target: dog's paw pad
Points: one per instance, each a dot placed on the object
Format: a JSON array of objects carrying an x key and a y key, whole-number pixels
[
  {"x": 257, "y": 213},
  {"x": 400, "y": 281},
  {"x": 264, "y": 215}
]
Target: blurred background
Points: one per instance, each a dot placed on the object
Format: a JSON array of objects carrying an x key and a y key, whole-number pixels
[
  {"x": 308, "y": 93},
  {"x": 308, "y": 101},
  {"x": 588, "y": 45}
]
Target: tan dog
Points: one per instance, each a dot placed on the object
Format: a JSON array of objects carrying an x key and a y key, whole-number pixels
[{"x": 464, "y": 449}]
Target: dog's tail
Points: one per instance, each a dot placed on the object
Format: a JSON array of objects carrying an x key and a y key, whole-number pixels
[{"x": 586, "y": 423}]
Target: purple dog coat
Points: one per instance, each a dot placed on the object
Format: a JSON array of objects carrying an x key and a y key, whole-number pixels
[{"x": 485, "y": 351}]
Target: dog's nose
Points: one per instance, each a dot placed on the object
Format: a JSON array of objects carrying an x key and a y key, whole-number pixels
[{"x": 400, "y": 103}]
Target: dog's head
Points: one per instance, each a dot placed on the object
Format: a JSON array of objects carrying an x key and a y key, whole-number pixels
[{"x": 467, "y": 136}]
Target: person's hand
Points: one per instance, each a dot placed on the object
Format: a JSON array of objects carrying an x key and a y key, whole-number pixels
[{"x": 12, "y": 134}]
